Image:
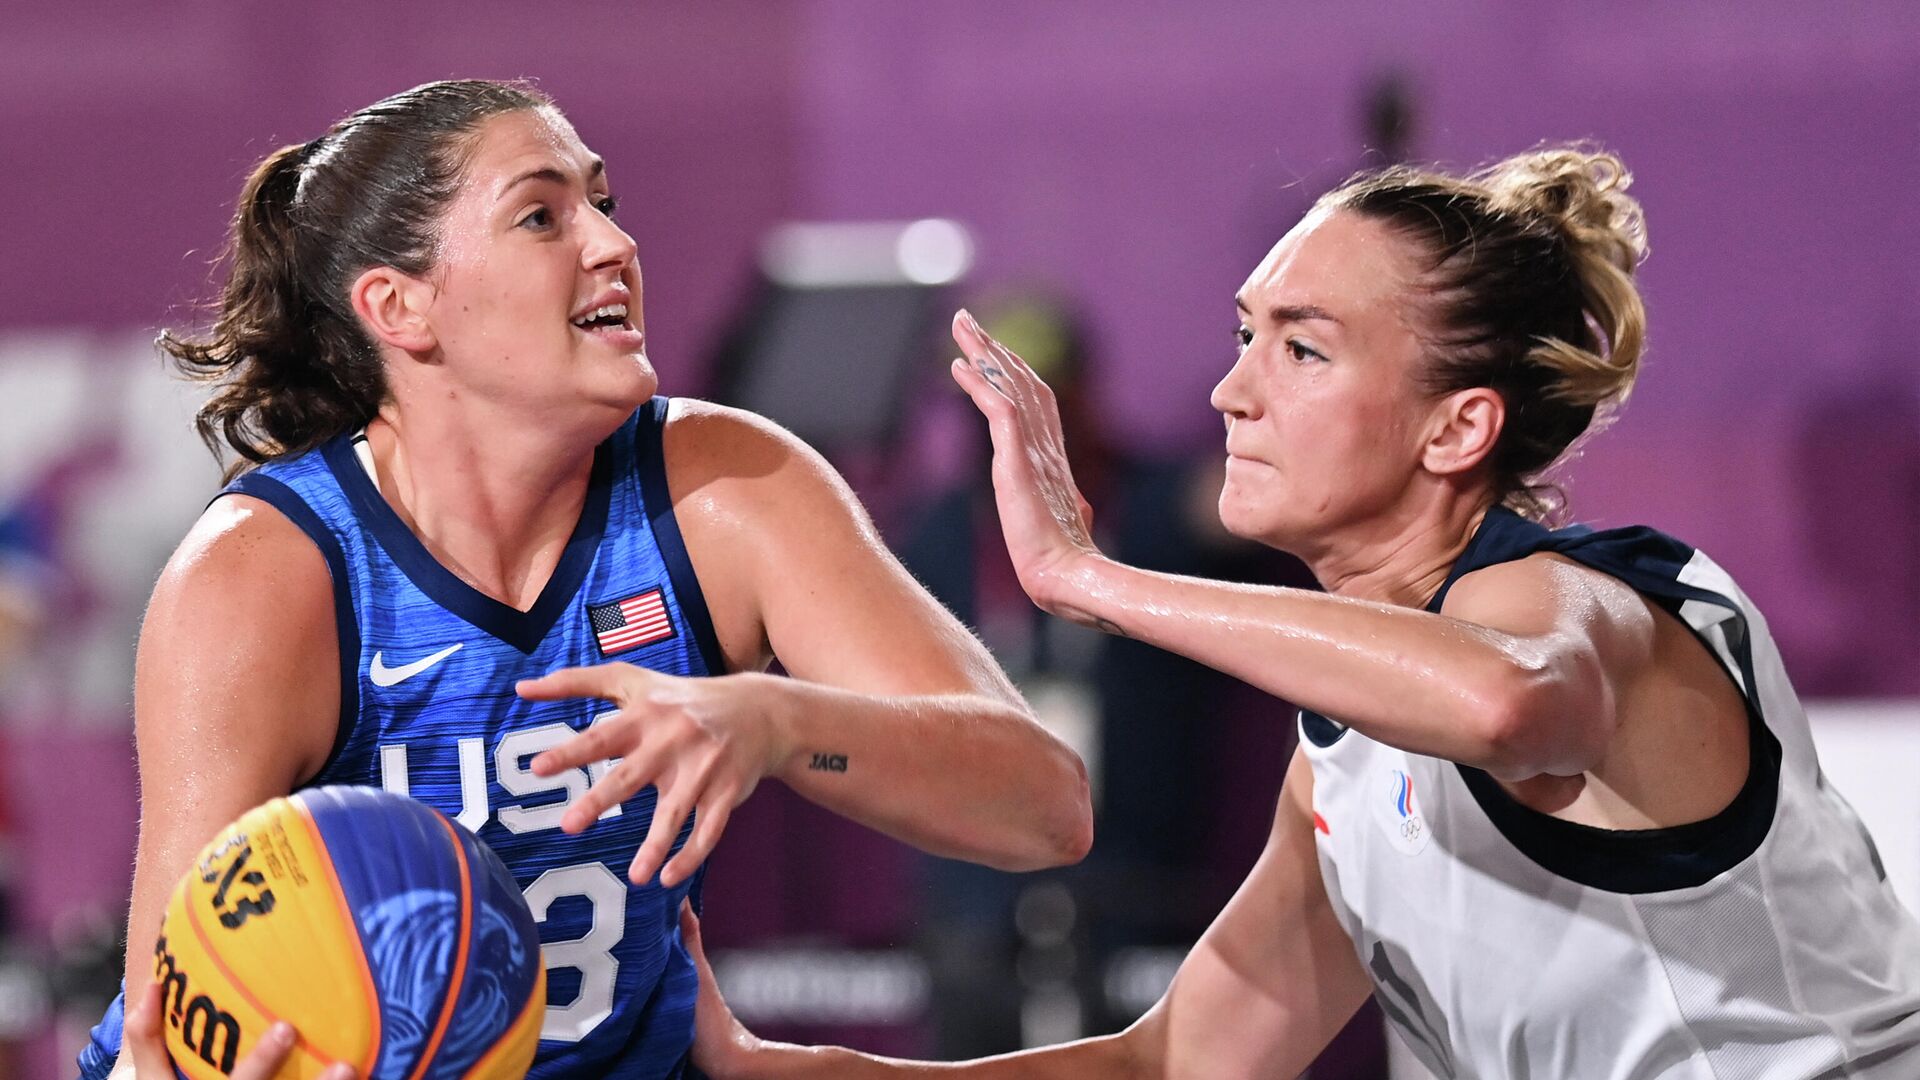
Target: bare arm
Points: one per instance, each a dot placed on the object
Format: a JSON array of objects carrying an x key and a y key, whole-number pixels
[
  {"x": 895, "y": 717},
  {"x": 1262, "y": 993},
  {"x": 940, "y": 750},
  {"x": 236, "y": 694},
  {"x": 1520, "y": 677}
]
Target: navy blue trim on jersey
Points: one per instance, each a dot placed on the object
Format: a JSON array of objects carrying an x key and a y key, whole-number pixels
[
  {"x": 1319, "y": 730},
  {"x": 652, "y": 461},
  {"x": 524, "y": 630},
  {"x": 283, "y": 498},
  {"x": 1628, "y": 860}
]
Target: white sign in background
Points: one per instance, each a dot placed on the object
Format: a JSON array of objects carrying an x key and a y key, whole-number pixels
[{"x": 1870, "y": 751}]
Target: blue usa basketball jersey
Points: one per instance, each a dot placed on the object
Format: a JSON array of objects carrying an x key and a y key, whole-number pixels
[{"x": 427, "y": 671}]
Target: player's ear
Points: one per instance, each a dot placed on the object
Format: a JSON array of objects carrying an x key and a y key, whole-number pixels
[
  {"x": 1465, "y": 426},
  {"x": 393, "y": 307}
]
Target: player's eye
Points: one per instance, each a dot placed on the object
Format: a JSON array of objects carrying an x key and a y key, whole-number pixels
[
  {"x": 607, "y": 204},
  {"x": 541, "y": 218},
  {"x": 1303, "y": 354},
  {"x": 1242, "y": 338}
]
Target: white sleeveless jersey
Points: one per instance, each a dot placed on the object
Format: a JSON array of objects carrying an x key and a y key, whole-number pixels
[{"x": 1764, "y": 942}]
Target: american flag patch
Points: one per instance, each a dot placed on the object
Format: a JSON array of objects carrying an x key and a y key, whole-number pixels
[{"x": 638, "y": 620}]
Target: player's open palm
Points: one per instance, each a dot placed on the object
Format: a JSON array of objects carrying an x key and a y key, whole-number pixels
[
  {"x": 704, "y": 743},
  {"x": 1046, "y": 521}
]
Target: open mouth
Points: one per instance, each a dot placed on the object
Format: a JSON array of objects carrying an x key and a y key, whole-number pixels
[{"x": 607, "y": 318}]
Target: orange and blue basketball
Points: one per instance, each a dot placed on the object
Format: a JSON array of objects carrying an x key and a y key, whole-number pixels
[{"x": 389, "y": 936}]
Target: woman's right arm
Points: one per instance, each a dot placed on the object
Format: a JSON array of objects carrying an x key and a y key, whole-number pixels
[
  {"x": 236, "y": 696},
  {"x": 1262, "y": 993}
]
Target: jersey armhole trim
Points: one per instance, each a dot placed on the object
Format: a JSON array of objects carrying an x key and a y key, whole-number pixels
[
  {"x": 1319, "y": 730},
  {"x": 651, "y": 464},
  {"x": 295, "y": 509},
  {"x": 1630, "y": 861},
  {"x": 1635, "y": 861}
]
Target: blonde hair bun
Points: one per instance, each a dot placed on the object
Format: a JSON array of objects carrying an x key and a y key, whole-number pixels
[{"x": 1580, "y": 192}]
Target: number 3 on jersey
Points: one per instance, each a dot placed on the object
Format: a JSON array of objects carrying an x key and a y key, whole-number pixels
[{"x": 591, "y": 954}]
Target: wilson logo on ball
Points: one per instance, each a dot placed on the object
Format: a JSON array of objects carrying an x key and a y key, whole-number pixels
[
  {"x": 390, "y": 938},
  {"x": 200, "y": 1023}
]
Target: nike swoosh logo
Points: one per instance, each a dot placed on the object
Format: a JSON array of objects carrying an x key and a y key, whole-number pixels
[{"x": 382, "y": 675}]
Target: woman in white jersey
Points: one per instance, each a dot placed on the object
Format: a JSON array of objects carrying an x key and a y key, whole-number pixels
[
  {"x": 1555, "y": 804},
  {"x": 443, "y": 269}
]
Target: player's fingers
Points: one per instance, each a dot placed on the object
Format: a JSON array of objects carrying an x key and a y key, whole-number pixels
[
  {"x": 610, "y": 682},
  {"x": 966, "y": 334},
  {"x": 1004, "y": 424},
  {"x": 668, "y": 815},
  {"x": 990, "y": 397},
  {"x": 1025, "y": 379},
  {"x": 263, "y": 1061},
  {"x": 1041, "y": 408},
  {"x": 142, "y": 1041},
  {"x": 989, "y": 361},
  {"x": 711, "y": 1015},
  {"x": 610, "y": 738},
  {"x": 1037, "y": 410},
  {"x": 1010, "y": 436},
  {"x": 690, "y": 933},
  {"x": 636, "y": 770},
  {"x": 709, "y": 821}
]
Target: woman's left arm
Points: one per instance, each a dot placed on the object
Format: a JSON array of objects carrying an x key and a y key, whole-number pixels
[
  {"x": 1519, "y": 677},
  {"x": 895, "y": 716}
]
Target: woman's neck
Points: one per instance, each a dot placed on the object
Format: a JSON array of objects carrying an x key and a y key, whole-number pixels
[
  {"x": 1402, "y": 557},
  {"x": 494, "y": 503}
]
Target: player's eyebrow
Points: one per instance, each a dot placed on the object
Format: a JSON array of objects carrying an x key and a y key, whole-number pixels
[
  {"x": 553, "y": 175},
  {"x": 1292, "y": 312}
]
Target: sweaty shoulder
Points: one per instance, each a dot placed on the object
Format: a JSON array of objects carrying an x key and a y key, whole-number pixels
[
  {"x": 752, "y": 499},
  {"x": 1544, "y": 592},
  {"x": 242, "y": 546},
  {"x": 708, "y": 443},
  {"x": 778, "y": 540},
  {"x": 243, "y": 617}
]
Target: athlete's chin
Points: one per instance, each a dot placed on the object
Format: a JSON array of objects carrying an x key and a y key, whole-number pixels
[
  {"x": 628, "y": 382},
  {"x": 1262, "y": 517},
  {"x": 1244, "y": 517}
]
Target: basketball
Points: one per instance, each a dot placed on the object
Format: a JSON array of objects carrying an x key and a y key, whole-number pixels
[{"x": 390, "y": 937}]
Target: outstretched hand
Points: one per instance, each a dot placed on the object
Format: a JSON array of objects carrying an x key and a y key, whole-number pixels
[
  {"x": 1046, "y": 521},
  {"x": 703, "y": 743},
  {"x": 146, "y": 1049}
]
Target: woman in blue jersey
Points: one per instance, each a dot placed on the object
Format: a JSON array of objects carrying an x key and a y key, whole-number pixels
[
  {"x": 1555, "y": 804},
  {"x": 462, "y": 530}
]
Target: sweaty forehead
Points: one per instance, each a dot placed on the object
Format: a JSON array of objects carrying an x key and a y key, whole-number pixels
[
  {"x": 1334, "y": 260},
  {"x": 512, "y": 144}
]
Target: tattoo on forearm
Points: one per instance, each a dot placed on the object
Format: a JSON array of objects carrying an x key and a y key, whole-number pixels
[
  {"x": 828, "y": 763},
  {"x": 1087, "y": 618}
]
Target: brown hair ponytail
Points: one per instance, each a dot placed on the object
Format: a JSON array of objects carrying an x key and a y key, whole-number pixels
[{"x": 289, "y": 361}]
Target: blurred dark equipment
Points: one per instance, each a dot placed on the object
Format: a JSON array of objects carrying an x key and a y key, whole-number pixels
[
  {"x": 840, "y": 317},
  {"x": 1388, "y": 119}
]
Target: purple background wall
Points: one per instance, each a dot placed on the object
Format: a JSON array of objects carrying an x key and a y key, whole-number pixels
[{"x": 1139, "y": 157}]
